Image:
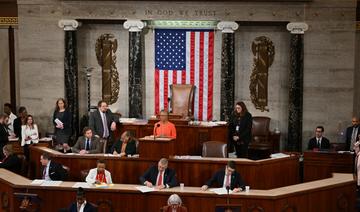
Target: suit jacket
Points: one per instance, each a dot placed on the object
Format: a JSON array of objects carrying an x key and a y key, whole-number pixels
[
  {"x": 152, "y": 173},
  {"x": 88, "y": 207},
  {"x": 218, "y": 179},
  {"x": 325, "y": 143},
  {"x": 349, "y": 132},
  {"x": 130, "y": 148},
  {"x": 245, "y": 126},
  {"x": 12, "y": 163},
  {"x": 17, "y": 127},
  {"x": 91, "y": 177},
  {"x": 4, "y": 136},
  {"x": 95, "y": 122},
  {"x": 56, "y": 171},
  {"x": 95, "y": 145}
]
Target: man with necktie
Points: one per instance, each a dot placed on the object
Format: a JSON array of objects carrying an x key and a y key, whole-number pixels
[
  {"x": 51, "y": 170},
  {"x": 227, "y": 178},
  {"x": 319, "y": 142},
  {"x": 159, "y": 176},
  {"x": 81, "y": 205},
  {"x": 102, "y": 122},
  {"x": 87, "y": 144},
  {"x": 352, "y": 134}
]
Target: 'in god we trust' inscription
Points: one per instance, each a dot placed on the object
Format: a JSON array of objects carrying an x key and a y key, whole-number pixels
[{"x": 182, "y": 13}]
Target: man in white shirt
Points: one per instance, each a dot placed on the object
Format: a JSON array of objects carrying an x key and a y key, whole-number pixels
[
  {"x": 12, "y": 117},
  {"x": 81, "y": 205}
]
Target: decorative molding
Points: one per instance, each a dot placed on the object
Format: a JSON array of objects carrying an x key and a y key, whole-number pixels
[
  {"x": 134, "y": 25},
  {"x": 297, "y": 27},
  {"x": 68, "y": 25},
  {"x": 227, "y": 26},
  {"x": 180, "y": 24},
  {"x": 6, "y": 21}
]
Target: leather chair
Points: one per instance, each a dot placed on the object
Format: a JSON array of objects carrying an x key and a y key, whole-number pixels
[
  {"x": 84, "y": 173},
  {"x": 104, "y": 205},
  {"x": 67, "y": 169},
  {"x": 260, "y": 146},
  {"x": 182, "y": 100},
  {"x": 23, "y": 171},
  {"x": 214, "y": 149}
]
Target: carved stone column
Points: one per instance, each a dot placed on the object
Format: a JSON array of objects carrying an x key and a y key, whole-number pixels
[
  {"x": 296, "y": 85},
  {"x": 71, "y": 70},
  {"x": 135, "y": 67},
  {"x": 227, "y": 68}
]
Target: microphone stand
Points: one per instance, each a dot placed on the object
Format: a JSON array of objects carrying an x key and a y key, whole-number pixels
[{"x": 228, "y": 198}]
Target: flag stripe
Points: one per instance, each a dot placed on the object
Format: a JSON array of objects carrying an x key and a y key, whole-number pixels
[{"x": 210, "y": 74}]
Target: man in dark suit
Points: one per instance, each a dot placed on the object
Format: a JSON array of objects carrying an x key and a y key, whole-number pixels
[
  {"x": 87, "y": 144},
  {"x": 159, "y": 176},
  {"x": 227, "y": 177},
  {"x": 352, "y": 134},
  {"x": 20, "y": 120},
  {"x": 102, "y": 122},
  {"x": 51, "y": 170},
  {"x": 125, "y": 146},
  {"x": 319, "y": 142},
  {"x": 81, "y": 204}
]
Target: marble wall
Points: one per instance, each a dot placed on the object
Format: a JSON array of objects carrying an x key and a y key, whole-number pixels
[{"x": 328, "y": 63}]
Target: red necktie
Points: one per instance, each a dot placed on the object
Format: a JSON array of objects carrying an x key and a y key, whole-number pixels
[
  {"x": 227, "y": 183},
  {"x": 159, "y": 182}
]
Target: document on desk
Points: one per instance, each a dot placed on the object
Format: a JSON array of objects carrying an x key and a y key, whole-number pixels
[
  {"x": 51, "y": 183},
  {"x": 37, "y": 182},
  {"x": 144, "y": 189},
  {"x": 82, "y": 185},
  {"x": 220, "y": 191}
]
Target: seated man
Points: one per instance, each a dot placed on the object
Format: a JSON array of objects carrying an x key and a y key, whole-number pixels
[
  {"x": 227, "y": 177},
  {"x": 11, "y": 161},
  {"x": 125, "y": 146},
  {"x": 81, "y": 204},
  {"x": 164, "y": 128},
  {"x": 99, "y": 175},
  {"x": 51, "y": 170},
  {"x": 319, "y": 142},
  {"x": 159, "y": 176},
  {"x": 87, "y": 144}
]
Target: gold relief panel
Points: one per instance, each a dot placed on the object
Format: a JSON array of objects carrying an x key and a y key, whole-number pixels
[
  {"x": 105, "y": 48},
  {"x": 6, "y": 21},
  {"x": 263, "y": 51}
]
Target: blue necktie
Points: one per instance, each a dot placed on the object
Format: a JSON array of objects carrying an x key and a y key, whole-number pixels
[{"x": 87, "y": 147}]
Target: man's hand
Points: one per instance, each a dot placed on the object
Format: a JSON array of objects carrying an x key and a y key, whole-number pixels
[
  {"x": 235, "y": 138},
  {"x": 122, "y": 154},
  {"x": 113, "y": 126},
  {"x": 83, "y": 152},
  {"x": 115, "y": 152},
  {"x": 148, "y": 184},
  {"x": 204, "y": 187},
  {"x": 160, "y": 187},
  {"x": 236, "y": 190}
]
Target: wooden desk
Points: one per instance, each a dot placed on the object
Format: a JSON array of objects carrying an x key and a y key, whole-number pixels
[
  {"x": 262, "y": 174},
  {"x": 189, "y": 137},
  {"x": 320, "y": 165},
  {"x": 330, "y": 195},
  {"x": 18, "y": 149},
  {"x": 156, "y": 148}
]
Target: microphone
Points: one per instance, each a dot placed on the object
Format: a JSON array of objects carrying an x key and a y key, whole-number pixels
[{"x": 156, "y": 126}]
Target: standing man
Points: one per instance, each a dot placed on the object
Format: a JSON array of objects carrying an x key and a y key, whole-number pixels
[
  {"x": 319, "y": 142},
  {"x": 102, "y": 122},
  {"x": 227, "y": 177},
  {"x": 12, "y": 117},
  {"x": 87, "y": 144},
  {"x": 352, "y": 133},
  {"x": 51, "y": 170},
  {"x": 159, "y": 176},
  {"x": 19, "y": 121}
]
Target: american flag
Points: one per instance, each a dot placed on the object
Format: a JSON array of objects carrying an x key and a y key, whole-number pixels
[{"x": 185, "y": 57}]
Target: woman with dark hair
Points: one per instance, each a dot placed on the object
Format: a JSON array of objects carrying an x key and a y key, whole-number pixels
[
  {"x": 240, "y": 125},
  {"x": 62, "y": 122},
  {"x": 29, "y": 135}
]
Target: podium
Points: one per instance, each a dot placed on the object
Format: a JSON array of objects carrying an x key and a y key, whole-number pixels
[{"x": 156, "y": 148}]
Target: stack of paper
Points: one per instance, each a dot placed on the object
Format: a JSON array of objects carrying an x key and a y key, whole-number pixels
[
  {"x": 145, "y": 189},
  {"x": 220, "y": 191},
  {"x": 279, "y": 155},
  {"x": 81, "y": 184}
]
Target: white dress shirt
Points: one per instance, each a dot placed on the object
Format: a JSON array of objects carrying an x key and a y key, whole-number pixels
[
  {"x": 224, "y": 184},
  {"x": 32, "y": 132},
  {"x": 12, "y": 117},
  {"x": 47, "y": 176}
]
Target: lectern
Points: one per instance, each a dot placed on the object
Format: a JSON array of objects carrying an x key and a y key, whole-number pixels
[{"x": 156, "y": 148}]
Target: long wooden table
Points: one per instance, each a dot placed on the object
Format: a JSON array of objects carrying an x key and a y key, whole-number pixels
[
  {"x": 320, "y": 165},
  {"x": 332, "y": 194},
  {"x": 261, "y": 174}
]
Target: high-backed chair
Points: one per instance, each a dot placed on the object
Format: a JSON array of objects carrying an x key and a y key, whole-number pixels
[
  {"x": 167, "y": 208},
  {"x": 182, "y": 100},
  {"x": 260, "y": 146},
  {"x": 214, "y": 149}
]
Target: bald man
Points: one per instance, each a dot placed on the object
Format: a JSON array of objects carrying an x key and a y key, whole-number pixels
[{"x": 352, "y": 133}]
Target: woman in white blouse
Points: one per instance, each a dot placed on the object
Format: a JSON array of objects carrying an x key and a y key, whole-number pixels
[{"x": 29, "y": 135}]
